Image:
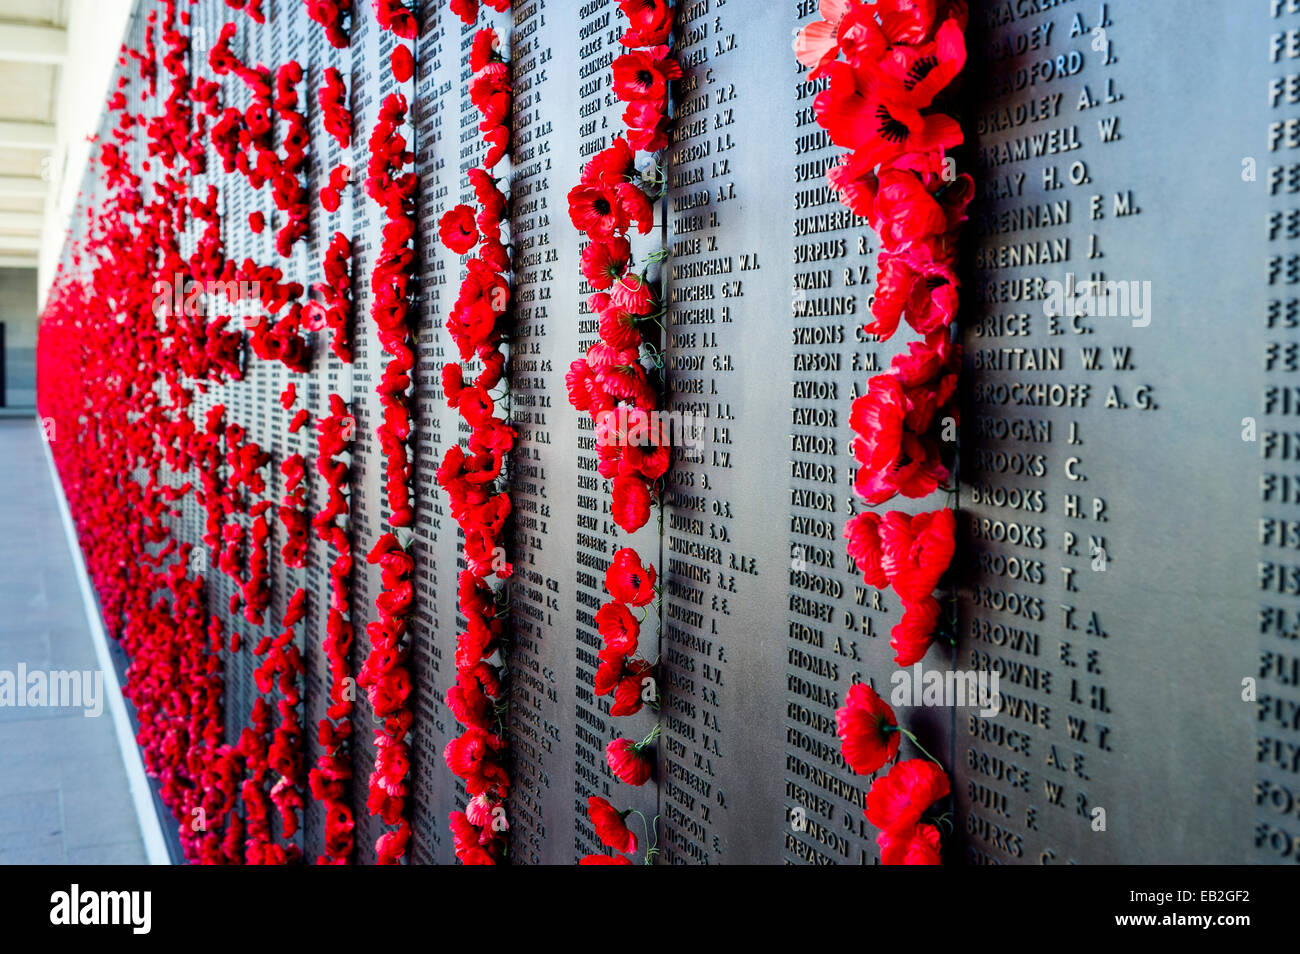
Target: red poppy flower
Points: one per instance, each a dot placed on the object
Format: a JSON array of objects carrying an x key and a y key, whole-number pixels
[
  {"x": 457, "y": 230},
  {"x": 861, "y": 118},
  {"x": 917, "y": 472},
  {"x": 918, "y": 845},
  {"x": 650, "y": 461},
  {"x": 636, "y": 206},
  {"x": 467, "y": 10},
  {"x": 490, "y": 92},
  {"x": 634, "y": 295},
  {"x": 402, "y": 63},
  {"x": 630, "y": 693},
  {"x": 644, "y": 75},
  {"x": 498, "y": 141},
  {"x": 479, "y": 811},
  {"x": 912, "y": 636},
  {"x": 618, "y": 328},
  {"x": 604, "y": 261},
  {"x": 604, "y": 860},
  {"x": 863, "y": 533},
  {"x": 484, "y": 49},
  {"x": 256, "y": 222},
  {"x": 453, "y": 382},
  {"x": 613, "y": 165},
  {"x": 912, "y": 21},
  {"x": 817, "y": 43},
  {"x": 904, "y": 210},
  {"x": 918, "y": 73},
  {"x": 466, "y": 841},
  {"x": 609, "y": 672},
  {"x": 916, "y": 551},
  {"x": 628, "y": 581},
  {"x": 912, "y": 284},
  {"x": 631, "y": 502},
  {"x": 473, "y": 757},
  {"x": 877, "y": 417},
  {"x": 650, "y": 22},
  {"x": 895, "y": 457},
  {"x": 868, "y": 730},
  {"x": 609, "y": 825},
  {"x": 596, "y": 211},
  {"x": 629, "y": 761},
  {"x": 898, "y": 800},
  {"x": 329, "y": 14},
  {"x": 618, "y": 627},
  {"x": 855, "y": 183}
]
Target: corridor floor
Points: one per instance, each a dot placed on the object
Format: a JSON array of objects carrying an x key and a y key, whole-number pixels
[{"x": 64, "y": 796}]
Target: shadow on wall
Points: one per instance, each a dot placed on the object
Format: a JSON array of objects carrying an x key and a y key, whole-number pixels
[{"x": 18, "y": 320}]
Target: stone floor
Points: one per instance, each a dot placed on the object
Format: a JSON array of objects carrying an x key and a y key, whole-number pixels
[{"x": 64, "y": 797}]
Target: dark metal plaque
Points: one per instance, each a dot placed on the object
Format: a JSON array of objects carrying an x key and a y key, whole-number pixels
[
  {"x": 765, "y": 625},
  {"x": 1116, "y": 573}
]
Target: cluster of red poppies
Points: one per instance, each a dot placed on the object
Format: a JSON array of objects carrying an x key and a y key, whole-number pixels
[
  {"x": 293, "y": 512},
  {"x": 333, "y": 16},
  {"x": 337, "y": 118},
  {"x": 253, "y": 129},
  {"x": 332, "y": 772},
  {"x": 335, "y": 114},
  {"x": 642, "y": 77},
  {"x": 109, "y": 425},
  {"x": 613, "y": 381},
  {"x": 233, "y": 135},
  {"x": 897, "y": 801},
  {"x": 176, "y": 133},
  {"x": 282, "y": 669},
  {"x": 275, "y": 335},
  {"x": 244, "y": 462},
  {"x": 472, "y": 475},
  {"x": 333, "y": 308},
  {"x": 612, "y": 375},
  {"x": 393, "y": 185},
  {"x": 263, "y": 749},
  {"x": 387, "y": 682},
  {"x": 883, "y": 67},
  {"x": 621, "y": 674},
  {"x": 119, "y": 370}
]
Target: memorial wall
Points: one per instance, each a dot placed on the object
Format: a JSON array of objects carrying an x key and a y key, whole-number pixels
[{"x": 1119, "y": 452}]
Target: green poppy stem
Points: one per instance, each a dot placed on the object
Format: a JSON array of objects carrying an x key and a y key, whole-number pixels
[{"x": 912, "y": 738}]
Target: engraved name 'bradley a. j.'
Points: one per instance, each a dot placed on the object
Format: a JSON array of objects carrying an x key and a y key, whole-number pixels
[{"x": 1098, "y": 299}]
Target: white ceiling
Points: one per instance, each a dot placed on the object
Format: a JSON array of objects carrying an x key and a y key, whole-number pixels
[{"x": 32, "y": 44}]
